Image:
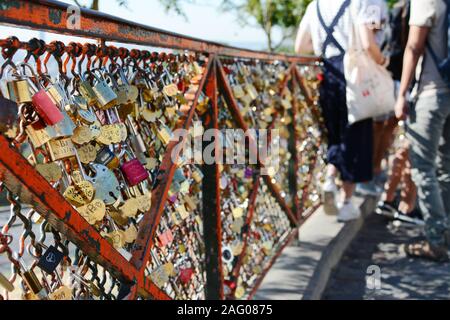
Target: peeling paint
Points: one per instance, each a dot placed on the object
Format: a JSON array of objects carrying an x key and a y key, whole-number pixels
[
  {"x": 8, "y": 4},
  {"x": 90, "y": 240},
  {"x": 67, "y": 216},
  {"x": 55, "y": 15}
]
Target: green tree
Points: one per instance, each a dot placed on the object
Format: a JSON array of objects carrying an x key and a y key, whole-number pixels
[
  {"x": 391, "y": 3},
  {"x": 268, "y": 15},
  {"x": 284, "y": 15},
  {"x": 95, "y": 4}
]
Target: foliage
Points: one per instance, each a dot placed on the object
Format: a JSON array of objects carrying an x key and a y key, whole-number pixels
[
  {"x": 95, "y": 4},
  {"x": 268, "y": 15}
]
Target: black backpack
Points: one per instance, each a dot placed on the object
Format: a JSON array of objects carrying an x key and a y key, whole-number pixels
[{"x": 396, "y": 44}]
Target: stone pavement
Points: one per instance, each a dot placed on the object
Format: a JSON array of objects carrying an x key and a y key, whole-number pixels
[
  {"x": 401, "y": 277},
  {"x": 303, "y": 269}
]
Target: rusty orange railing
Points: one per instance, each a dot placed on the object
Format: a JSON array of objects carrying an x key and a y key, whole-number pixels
[{"x": 23, "y": 180}]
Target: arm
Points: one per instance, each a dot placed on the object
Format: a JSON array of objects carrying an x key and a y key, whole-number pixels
[
  {"x": 303, "y": 43},
  {"x": 415, "y": 48},
  {"x": 369, "y": 44}
]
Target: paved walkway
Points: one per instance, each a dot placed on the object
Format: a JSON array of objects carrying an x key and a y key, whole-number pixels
[{"x": 401, "y": 277}]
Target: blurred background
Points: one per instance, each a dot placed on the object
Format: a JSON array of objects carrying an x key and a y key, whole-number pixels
[{"x": 254, "y": 24}]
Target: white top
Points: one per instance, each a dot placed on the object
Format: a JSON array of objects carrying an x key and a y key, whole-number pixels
[
  {"x": 430, "y": 13},
  {"x": 366, "y": 11}
]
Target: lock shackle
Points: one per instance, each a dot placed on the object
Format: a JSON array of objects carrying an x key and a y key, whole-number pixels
[
  {"x": 98, "y": 74},
  {"x": 126, "y": 151},
  {"x": 7, "y": 63},
  {"x": 112, "y": 79},
  {"x": 34, "y": 86},
  {"x": 123, "y": 77}
]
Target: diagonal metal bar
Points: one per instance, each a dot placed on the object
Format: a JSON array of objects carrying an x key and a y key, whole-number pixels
[
  {"x": 24, "y": 181},
  {"x": 150, "y": 221},
  {"x": 227, "y": 93},
  {"x": 254, "y": 194}
]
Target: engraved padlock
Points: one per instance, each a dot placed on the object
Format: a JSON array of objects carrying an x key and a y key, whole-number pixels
[
  {"x": 18, "y": 88},
  {"x": 57, "y": 93},
  {"x": 60, "y": 149},
  {"x": 107, "y": 158},
  {"x": 133, "y": 170},
  {"x": 87, "y": 91},
  {"x": 106, "y": 97},
  {"x": 32, "y": 282},
  {"x": 163, "y": 132},
  {"x": 131, "y": 91},
  {"x": 119, "y": 89}
]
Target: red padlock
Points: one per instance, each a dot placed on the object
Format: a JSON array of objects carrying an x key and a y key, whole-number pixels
[
  {"x": 166, "y": 238},
  {"x": 186, "y": 275},
  {"x": 42, "y": 101},
  {"x": 134, "y": 172},
  {"x": 46, "y": 108}
]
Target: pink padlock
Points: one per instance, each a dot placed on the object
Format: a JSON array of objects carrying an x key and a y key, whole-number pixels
[
  {"x": 134, "y": 172},
  {"x": 41, "y": 99},
  {"x": 46, "y": 108}
]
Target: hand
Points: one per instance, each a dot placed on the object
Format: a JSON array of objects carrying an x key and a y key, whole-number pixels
[{"x": 401, "y": 108}]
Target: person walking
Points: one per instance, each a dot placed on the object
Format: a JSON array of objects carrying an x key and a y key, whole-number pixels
[
  {"x": 428, "y": 123},
  {"x": 324, "y": 31}
]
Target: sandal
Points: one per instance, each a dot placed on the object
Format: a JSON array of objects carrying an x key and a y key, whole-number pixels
[{"x": 427, "y": 251}]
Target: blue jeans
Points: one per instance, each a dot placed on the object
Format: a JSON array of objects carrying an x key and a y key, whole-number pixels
[{"x": 429, "y": 134}]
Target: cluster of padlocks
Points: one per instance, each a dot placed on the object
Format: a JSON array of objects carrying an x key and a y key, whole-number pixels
[
  {"x": 98, "y": 128},
  {"x": 98, "y": 133}
]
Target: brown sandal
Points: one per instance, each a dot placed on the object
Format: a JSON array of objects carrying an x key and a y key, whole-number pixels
[{"x": 427, "y": 251}]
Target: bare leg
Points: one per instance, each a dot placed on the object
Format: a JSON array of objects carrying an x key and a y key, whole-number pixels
[
  {"x": 383, "y": 139},
  {"x": 409, "y": 191},
  {"x": 397, "y": 166},
  {"x": 347, "y": 190}
]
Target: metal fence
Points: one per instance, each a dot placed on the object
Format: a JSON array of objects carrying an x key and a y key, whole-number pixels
[{"x": 211, "y": 231}]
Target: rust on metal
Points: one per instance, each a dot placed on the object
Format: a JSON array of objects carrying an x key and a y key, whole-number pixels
[
  {"x": 52, "y": 16},
  {"x": 234, "y": 108},
  {"x": 151, "y": 219}
]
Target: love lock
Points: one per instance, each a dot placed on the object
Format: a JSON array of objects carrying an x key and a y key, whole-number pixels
[{"x": 107, "y": 187}]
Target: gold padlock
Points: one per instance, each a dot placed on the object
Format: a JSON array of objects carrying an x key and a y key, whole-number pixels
[
  {"x": 19, "y": 91},
  {"x": 106, "y": 97},
  {"x": 61, "y": 149},
  {"x": 39, "y": 137},
  {"x": 57, "y": 94},
  {"x": 163, "y": 133},
  {"x": 88, "y": 93}
]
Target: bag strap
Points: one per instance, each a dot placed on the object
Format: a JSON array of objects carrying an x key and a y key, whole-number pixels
[{"x": 330, "y": 29}]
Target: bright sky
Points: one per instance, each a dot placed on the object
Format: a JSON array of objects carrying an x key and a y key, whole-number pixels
[{"x": 205, "y": 21}]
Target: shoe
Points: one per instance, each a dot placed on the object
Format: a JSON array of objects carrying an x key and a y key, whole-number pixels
[
  {"x": 329, "y": 197},
  {"x": 348, "y": 212},
  {"x": 427, "y": 251},
  {"x": 385, "y": 208},
  {"x": 368, "y": 189}
]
